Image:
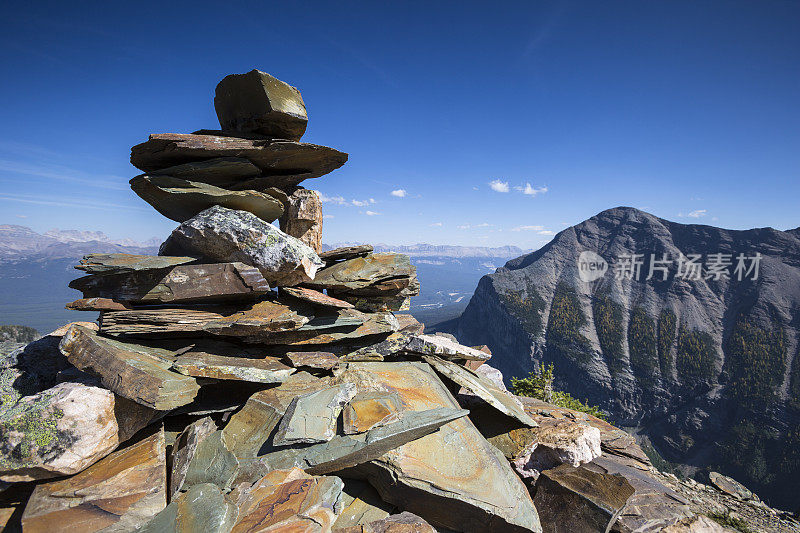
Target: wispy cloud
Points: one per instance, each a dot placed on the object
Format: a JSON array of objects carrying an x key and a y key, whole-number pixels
[
  {"x": 371, "y": 213},
  {"x": 499, "y": 186},
  {"x": 528, "y": 228},
  {"x": 530, "y": 190},
  {"x": 54, "y": 172},
  {"x": 328, "y": 217},
  {"x": 475, "y": 226},
  {"x": 399, "y": 193},
  {"x": 338, "y": 200},
  {"x": 546, "y": 232},
  {"x": 697, "y": 213},
  {"x": 436, "y": 225},
  {"x": 66, "y": 202}
]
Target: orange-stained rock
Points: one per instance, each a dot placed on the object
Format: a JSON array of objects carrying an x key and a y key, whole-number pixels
[
  {"x": 404, "y": 522},
  {"x": 371, "y": 409},
  {"x": 119, "y": 493},
  {"x": 288, "y": 500},
  {"x": 315, "y": 297},
  {"x": 96, "y": 304}
]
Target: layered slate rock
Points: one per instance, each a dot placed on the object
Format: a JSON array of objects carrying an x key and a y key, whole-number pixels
[
  {"x": 453, "y": 478},
  {"x": 344, "y": 253},
  {"x": 259, "y": 319},
  {"x": 180, "y": 200},
  {"x": 201, "y": 508},
  {"x": 226, "y": 235},
  {"x": 361, "y": 504},
  {"x": 347, "y": 325},
  {"x": 730, "y": 486},
  {"x": 266, "y": 370},
  {"x": 444, "y": 348},
  {"x": 484, "y": 389},
  {"x": 181, "y": 284},
  {"x": 315, "y": 297},
  {"x": 97, "y": 304},
  {"x": 135, "y": 372},
  {"x": 312, "y": 417},
  {"x": 303, "y": 217},
  {"x": 404, "y": 522},
  {"x": 249, "y": 428},
  {"x": 260, "y": 103},
  {"x": 63, "y": 430},
  {"x": 124, "y": 263},
  {"x": 288, "y": 500},
  {"x": 184, "y": 450},
  {"x": 221, "y": 171},
  {"x": 283, "y": 163},
  {"x": 320, "y": 360},
  {"x": 371, "y": 275},
  {"x": 343, "y": 452},
  {"x": 121, "y": 492},
  {"x": 370, "y": 409}
]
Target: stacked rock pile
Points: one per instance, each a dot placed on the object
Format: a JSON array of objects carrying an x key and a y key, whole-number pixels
[{"x": 242, "y": 380}]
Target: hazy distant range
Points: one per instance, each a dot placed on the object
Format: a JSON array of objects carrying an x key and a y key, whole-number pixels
[{"x": 35, "y": 269}]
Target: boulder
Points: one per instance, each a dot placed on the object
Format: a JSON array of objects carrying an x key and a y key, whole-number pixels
[
  {"x": 404, "y": 522},
  {"x": 288, "y": 500},
  {"x": 201, "y": 508},
  {"x": 312, "y": 417},
  {"x": 315, "y": 297},
  {"x": 260, "y": 103},
  {"x": 226, "y": 235},
  {"x": 302, "y": 217},
  {"x": 138, "y": 373},
  {"x": 485, "y": 389},
  {"x": 266, "y": 370},
  {"x": 444, "y": 348},
  {"x": 180, "y": 200},
  {"x": 283, "y": 163},
  {"x": 121, "y": 492},
  {"x": 344, "y": 253},
  {"x": 371, "y": 275},
  {"x": 124, "y": 263},
  {"x": 559, "y": 442},
  {"x": 220, "y": 171},
  {"x": 453, "y": 477},
  {"x": 730, "y": 486},
  {"x": 214, "y": 282},
  {"x": 64, "y": 430}
]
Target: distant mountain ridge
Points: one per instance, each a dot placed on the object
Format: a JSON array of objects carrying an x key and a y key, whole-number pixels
[
  {"x": 17, "y": 242},
  {"x": 707, "y": 368}
]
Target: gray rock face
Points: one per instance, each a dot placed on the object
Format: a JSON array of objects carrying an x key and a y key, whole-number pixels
[
  {"x": 673, "y": 356},
  {"x": 227, "y": 235},
  {"x": 259, "y": 103},
  {"x": 312, "y": 417}
]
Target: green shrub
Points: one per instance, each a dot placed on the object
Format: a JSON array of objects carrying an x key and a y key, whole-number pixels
[
  {"x": 696, "y": 355},
  {"x": 666, "y": 336},
  {"x": 539, "y": 385},
  {"x": 527, "y": 306},
  {"x": 564, "y": 323},
  {"x": 608, "y": 323},
  {"x": 757, "y": 358},
  {"x": 642, "y": 346}
]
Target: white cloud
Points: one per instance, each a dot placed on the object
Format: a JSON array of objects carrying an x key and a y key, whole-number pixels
[
  {"x": 499, "y": 186},
  {"x": 339, "y": 200},
  {"x": 360, "y": 203},
  {"x": 372, "y": 200},
  {"x": 464, "y": 226},
  {"x": 400, "y": 193},
  {"x": 530, "y": 190},
  {"x": 697, "y": 213},
  {"x": 528, "y": 228},
  {"x": 371, "y": 213},
  {"x": 481, "y": 225},
  {"x": 327, "y": 217},
  {"x": 436, "y": 225},
  {"x": 546, "y": 232}
]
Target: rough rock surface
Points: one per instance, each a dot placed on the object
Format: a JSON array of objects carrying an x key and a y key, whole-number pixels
[
  {"x": 404, "y": 522},
  {"x": 119, "y": 493},
  {"x": 180, "y": 200},
  {"x": 124, "y": 263},
  {"x": 259, "y": 103},
  {"x": 303, "y": 217},
  {"x": 220, "y": 171},
  {"x": 346, "y": 252},
  {"x": 371, "y": 275},
  {"x": 444, "y": 347},
  {"x": 226, "y": 235},
  {"x": 315, "y": 297},
  {"x": 267, "y": 370},
  {"x": 201, "y": 508},
  {"x": 312, "y": 417}
]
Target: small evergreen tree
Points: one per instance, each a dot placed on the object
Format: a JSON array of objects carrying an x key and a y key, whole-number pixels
[{"x": 539, "y": 385}]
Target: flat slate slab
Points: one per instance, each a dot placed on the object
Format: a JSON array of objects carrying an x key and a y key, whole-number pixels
[
  {"x": 370, "y": 409},
  {"x": 228, "y": 235},
  {"x": 97, "y": 304},
  {"x": 445, "y": 348},
  {"x": 180, "y": 200},
  {"x": 119, "y": 263},
  {"x": 201, "y": 508},
  {"x": 453, "y": 477},
  {"x": 121, "y": 492},
  {"x": 321, "y": 360},
  {"x": 220, "y": 171},
  {"x": 283, "y": 163},
  {"x": 371, "y": 275},
  {"x": 267, "y": 370},
  {"x": 138, "y": 373},
  {"x": 315, "y": 297},
  {"x": 346, "y": 252},
  {"x": 347, "y": 325},
  {"x": 312, "y": 417},
  {"x": 482, "y": 388},
  {"x": 213, "y": 282}
]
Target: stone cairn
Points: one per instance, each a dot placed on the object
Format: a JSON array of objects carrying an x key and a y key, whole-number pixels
[{"x": 243, "y": 380}]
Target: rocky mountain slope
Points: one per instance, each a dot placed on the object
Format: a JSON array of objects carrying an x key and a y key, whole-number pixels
[{"x": 704, "y": 363}]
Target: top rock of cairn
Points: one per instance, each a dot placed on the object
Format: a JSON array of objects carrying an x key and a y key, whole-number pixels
[
  {"x": 272, "y": 388},
  {"x": 256, "y": 102}
]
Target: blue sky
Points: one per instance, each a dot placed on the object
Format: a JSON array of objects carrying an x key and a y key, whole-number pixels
[{"x": 687, "y": 109}]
